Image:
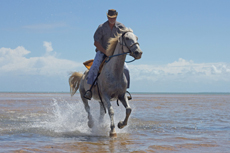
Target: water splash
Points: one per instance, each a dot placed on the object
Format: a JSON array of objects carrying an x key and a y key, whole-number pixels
[
  {"x": 66, "y": 117},
  {"x": 69, "y": 119}
]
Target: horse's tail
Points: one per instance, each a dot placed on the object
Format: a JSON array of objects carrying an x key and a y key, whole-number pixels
[{"x": 74, "y": 82}]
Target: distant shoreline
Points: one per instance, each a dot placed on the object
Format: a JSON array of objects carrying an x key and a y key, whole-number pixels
[{"x": 146, "y": 93}]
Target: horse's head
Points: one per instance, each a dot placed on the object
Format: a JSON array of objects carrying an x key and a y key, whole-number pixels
[{"x": 130, "y": 44}]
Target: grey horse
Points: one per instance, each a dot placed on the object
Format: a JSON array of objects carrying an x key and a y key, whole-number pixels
[{"x": 112, "y": 82}]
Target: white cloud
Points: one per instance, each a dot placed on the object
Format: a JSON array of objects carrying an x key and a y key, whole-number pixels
[
  {"x": 14, "y": 61},
  {"x": 48, "y": 46},
  {"x": 180, "y": 62},
  {"x": 182, "y": 70}
]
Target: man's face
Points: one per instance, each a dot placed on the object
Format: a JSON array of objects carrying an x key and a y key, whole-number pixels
[{"x": 112, "y": 20}]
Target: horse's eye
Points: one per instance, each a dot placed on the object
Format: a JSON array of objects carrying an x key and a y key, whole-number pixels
[{"x": 127, "y": 38}]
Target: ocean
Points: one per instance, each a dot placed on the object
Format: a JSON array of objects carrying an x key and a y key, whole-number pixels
[{"x": 172, "y": 122}]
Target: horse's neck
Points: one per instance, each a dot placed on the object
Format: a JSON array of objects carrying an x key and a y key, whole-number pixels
[{"x": 116, "y": 64}]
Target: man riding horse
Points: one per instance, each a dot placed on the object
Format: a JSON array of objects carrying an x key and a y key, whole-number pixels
[
  {"x": 113, "y": 80},
  {"x": 104, "y": 32}
]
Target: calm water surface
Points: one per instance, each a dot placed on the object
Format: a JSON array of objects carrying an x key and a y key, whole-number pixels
[{"x": 43, "y": 122}]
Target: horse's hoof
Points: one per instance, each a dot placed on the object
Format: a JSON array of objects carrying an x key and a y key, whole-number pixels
[
  {"x": 120, "y": 125},
  {"x": 113, "y": 135},
  {"x": 90, "y": 124}
]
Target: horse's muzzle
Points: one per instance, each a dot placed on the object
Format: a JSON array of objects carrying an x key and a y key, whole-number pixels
[{"x": 137, "y": 54}]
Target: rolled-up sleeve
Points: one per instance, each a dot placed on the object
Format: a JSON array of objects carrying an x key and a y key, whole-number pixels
[{"x": 98, "y": 34}]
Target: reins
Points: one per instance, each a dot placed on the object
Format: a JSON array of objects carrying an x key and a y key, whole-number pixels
[
  {"x": 109, "y": 57},
  {"x": 100, "y": 98}
]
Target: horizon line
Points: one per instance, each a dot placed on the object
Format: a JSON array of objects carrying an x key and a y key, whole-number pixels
[{"x": 130, "y": 92}]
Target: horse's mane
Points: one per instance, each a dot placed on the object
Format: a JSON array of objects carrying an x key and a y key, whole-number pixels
[{"x": 113, "y": 41}]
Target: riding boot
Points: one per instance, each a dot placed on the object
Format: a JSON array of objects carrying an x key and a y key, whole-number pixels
[{"x": 88, "y": 94}]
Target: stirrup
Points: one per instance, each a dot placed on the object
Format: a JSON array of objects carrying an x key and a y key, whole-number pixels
[
  {"x": 129, "y": 96},
  {"x": 88, "y": 95}
]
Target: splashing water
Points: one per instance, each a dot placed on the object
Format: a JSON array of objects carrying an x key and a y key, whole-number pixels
[
  {"x": 65, "y": 117},
  {"x": 68, "y": 118}
]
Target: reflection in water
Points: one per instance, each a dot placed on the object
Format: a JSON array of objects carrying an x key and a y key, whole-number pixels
[{"x": 42, "y": 122}]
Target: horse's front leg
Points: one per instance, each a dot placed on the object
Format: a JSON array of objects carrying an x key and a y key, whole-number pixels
[
  {"x": 125, "y": 102},
  {"x": 111, "y": 115}
]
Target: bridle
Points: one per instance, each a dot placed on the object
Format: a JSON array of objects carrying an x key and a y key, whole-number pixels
[{"x": 123, "y": 42}]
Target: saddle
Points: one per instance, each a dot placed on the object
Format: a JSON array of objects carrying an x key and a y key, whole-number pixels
[{"x": 89, "y": 63}]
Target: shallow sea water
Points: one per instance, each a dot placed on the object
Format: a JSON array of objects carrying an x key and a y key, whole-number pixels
[{"x": 55, "y": 122}]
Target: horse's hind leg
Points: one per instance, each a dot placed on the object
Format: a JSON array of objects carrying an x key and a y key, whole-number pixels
[
  {"x": 87, "y": 108},
  {"x": 125, "y": 102}
]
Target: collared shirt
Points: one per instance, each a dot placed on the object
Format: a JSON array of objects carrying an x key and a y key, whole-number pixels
[{"x": 104, "y": 32}]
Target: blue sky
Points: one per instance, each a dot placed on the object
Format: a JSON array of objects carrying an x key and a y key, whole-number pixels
[{"x": 185, "y": 44}]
